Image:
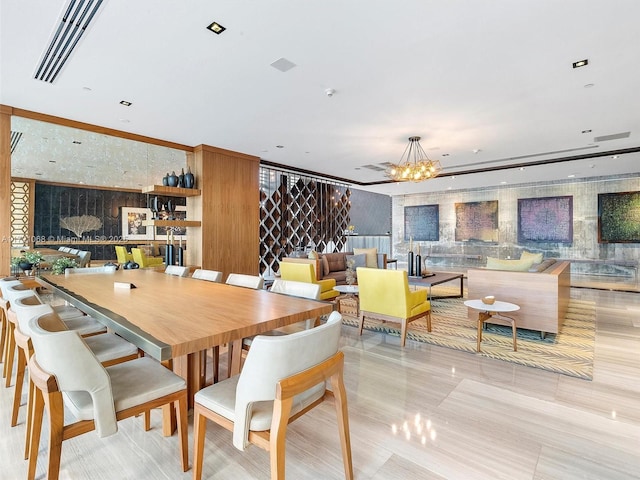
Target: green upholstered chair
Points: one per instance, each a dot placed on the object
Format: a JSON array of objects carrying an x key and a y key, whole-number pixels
[{"x": 385, "y": 294}]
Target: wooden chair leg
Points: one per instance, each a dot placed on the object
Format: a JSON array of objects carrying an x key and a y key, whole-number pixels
[
  {"x": 403, "y": 332},
  {"x": 21, "y": 365},
  {"x": 361, "y": 323},
  {"x": 10, "y": 353},
  {"x": 36, "y": 429},
  {"x": 31, "y": 395},
  {"x": 3, "y": 334},
  {"x": 55, "y": 411},
  {"x": 340, "y": 398},
  {"x": 278, "y": 437},
  {"x": 199, "y": 431},
  {"x": 181, "y": 408},
  {"x": 429, "y": 321}
]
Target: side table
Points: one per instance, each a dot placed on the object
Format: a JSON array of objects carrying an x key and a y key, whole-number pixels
[
  {"x": 348, "y": 292},
  {"x": 486, "y": 312}
]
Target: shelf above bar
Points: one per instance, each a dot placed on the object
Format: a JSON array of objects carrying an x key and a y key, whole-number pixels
[
  {"x": 171, "y": 191},
  {"x": 171, "y": 223}
]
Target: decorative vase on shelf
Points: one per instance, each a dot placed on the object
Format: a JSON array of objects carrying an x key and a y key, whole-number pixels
[
  {"x": 189, "y": 179},
  {"x": 181, "y": 179},
  {"x": 165, "y": 180},
  {"x": 173, "y": 180}
]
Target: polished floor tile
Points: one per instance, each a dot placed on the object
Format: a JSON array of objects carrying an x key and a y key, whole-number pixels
[{"x": 420, "y": 412}]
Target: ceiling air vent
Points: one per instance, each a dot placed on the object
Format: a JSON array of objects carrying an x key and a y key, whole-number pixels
[
  {"x": 615, "y": 136},
  {"x": 73, "y": 24},
  {"x": 15, "y": 139},
  {"x": 375, "y": 168}
]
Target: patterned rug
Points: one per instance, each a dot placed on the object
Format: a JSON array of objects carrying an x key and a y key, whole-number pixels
[{"x": 570, "y": 352}]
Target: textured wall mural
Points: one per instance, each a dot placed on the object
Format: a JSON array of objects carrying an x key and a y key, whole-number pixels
[
  {"x": 548, "y": 219},
  {"x": 477, "y": 221},
  {"x": 421, "y": 223},
  {"x": 619, "y": 217}
]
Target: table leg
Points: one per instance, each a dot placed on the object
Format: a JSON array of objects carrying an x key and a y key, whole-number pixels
[
  {"x": 235, "y": 357},
  {"x": 482, "y": 317}
]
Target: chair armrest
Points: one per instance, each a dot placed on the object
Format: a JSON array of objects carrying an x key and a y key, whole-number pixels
[
  {"x": 416, "y": 297},
  {"x": 326, "y": 284}
]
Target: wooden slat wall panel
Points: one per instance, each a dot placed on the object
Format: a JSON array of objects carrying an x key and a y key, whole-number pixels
[
  {"x": 5, "y": 190},
  {"x": 228, "y": 209}
]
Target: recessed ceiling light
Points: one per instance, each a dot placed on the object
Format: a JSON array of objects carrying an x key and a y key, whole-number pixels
[
  {"x": 279, "y": 146},
  {"x": 476, "y": 150},
  {"x": 571, "y": 176},
  {"x": 216, "y": 28},
  {"x": 449, "y": 187},
  {"x": 357, "y": 168},
  {"x": 76, "y": 142},
  {"x": 581, "y": 63},
  {"x": 124, "y": 120},
  {"x": 522, "y": 169},
  {"x": 589, "y": 85},
  {"x": 86, "y": 89},
  {"x": 125, "y": 103},
  {"x": 586, "y": 131},
  {"x": 614, "y": 157},
  {"x": 52, "y": 161},
  {"x": 445, "y": 154},
  {"x": 38, "y": 173},
  {"x": 503, "y": 183}
]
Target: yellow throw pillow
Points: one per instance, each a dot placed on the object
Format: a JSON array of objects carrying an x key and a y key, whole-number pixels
[
  {"x": 371, "y": 253},
  {"x": 535, "y": 257},
  {"x": 511, "y": 265}
]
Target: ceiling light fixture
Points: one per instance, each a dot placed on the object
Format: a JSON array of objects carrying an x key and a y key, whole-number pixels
[
  {"x": 216, "y": 28},
  {"x": 414, "y": 165},
  {"x": 125, "y": 103},
  {"x": 581, "y": 63}
]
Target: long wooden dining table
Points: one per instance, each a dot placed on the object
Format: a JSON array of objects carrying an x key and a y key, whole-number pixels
[{"x": 170, "y": 317}]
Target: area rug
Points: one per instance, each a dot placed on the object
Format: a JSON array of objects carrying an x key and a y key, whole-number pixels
[{"x": 570, "y": 352}]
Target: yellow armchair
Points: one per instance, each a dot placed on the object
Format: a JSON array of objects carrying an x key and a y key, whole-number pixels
[
  {"x": 304, "y": 272},
  {"x": 122, "y": 255},
  {"x": 385, "y": 294},
  {"x": 141, "y": 259}
]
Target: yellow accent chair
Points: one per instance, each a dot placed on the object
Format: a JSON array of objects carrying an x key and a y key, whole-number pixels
[
  {"x": 122, "y": 255},
  {"x": 141, "y": 259},
  {"x": 385, "y": 294},
  {"x": 304, "y": 272}
]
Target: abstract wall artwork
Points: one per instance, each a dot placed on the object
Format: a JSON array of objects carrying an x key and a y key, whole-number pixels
[
  {"x": 477, "y": 221},
  {"x": 619, "y": 217},
  {"x": 547, "y": 219},
  {"x": 421, "y": 223}
]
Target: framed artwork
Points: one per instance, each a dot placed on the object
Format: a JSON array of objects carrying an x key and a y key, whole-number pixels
[
  {"x": 477, "y": 221},
  {"x": 132, "y": 227},
  {"x": 421, "y": 223},
  {"x": 178, "y": 232},
  {"x": 619, "y": 217},
  {"x": 546, "y": 219}
]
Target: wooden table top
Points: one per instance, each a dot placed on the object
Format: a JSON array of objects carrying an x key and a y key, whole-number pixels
[{"x": 169, "y": 316}]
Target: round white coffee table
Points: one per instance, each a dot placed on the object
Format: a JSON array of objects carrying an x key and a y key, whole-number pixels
[{"x": 497, "y": 308}]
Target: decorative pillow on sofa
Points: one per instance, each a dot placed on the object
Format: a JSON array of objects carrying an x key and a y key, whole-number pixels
[
  {"x": 512, "y": 265},
  {"x": 359, "y": 260},
  {"x": 324, "y": 266},
  {"x": 535, "y": 257},
  {"x": 371, "y": 253}
]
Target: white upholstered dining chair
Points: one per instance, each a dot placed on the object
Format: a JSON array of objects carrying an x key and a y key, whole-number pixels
[
  {"x": 109, "y": 348},
  {"x": 90, "y": 270},
  {"x": 209, "y": 275},
  {"x": 96, "y": 396},
  {"x": 247, "y": 281},
  {"x": 176, "y": 270},
  {"x": 283, "y": 378}
]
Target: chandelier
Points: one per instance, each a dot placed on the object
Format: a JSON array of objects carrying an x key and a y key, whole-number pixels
[{"x": 414, "y": 165}]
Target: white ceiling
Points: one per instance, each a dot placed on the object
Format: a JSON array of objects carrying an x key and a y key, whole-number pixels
[{"x": 492, "y": 76}]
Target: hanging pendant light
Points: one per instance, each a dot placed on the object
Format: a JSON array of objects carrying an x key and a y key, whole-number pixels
[{"x": 414, "y": 165}]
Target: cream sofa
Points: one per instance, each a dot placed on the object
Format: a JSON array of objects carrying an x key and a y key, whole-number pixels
[{"x": 543, "y": 296}]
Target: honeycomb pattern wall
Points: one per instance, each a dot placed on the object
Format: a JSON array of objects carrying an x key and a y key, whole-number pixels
[
  {"x": 297, "y": 211},
  {"x": 20, "y": 201}
]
